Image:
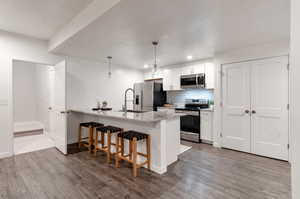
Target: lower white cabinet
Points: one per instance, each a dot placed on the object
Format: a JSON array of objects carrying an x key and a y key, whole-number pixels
[{"x": 206, "y": 125}]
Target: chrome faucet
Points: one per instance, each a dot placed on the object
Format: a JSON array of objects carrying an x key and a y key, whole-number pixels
[{"x": 125, "y": 100}]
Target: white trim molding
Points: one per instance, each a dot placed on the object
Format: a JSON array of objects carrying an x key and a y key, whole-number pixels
[{"x": 5, "y": 155}]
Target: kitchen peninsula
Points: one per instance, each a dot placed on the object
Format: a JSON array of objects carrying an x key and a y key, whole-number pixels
[{"x": 164, "y": 129}]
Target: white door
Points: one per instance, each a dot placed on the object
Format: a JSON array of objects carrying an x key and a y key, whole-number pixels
[
  {"x": 58, "y": 112},
  {"x": 236, "y": 107},
  {"x": 269, "y": 100}
]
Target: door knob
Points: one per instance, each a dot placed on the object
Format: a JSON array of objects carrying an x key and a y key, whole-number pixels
[
  {"x": 247, "y": 111},
  {"x": 253, "y": 112}
]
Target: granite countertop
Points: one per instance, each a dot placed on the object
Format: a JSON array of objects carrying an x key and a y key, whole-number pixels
[
  {"x": 174, "y": 107},
  {"x": 151, "y": 116}
]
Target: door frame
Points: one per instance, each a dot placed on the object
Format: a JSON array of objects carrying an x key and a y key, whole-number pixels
[
  {"x": 11, "y": 100},
  {"x": 222, "y": 96}
]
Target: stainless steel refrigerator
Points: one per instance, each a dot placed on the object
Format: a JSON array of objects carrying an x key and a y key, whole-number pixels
[{"x": 149, "y": 96}]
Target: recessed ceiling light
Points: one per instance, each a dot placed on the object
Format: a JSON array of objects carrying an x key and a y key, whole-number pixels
[
  {"x": 189, "y": 57},
  {"x": 146, "y": 66}
]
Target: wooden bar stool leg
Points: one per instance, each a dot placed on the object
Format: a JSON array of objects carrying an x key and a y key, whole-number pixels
[
  {"x": 96, "y": 143},
  {"x": 122, "y": 146},
  {"x": 117, "y": 153},
  {"x": 108, "y": 147},
  {"x": 148, "y": 152},
  {"x": 117, "y": 143},
  {"x": 130, "y": 150},
  {"x": 90, "y": 139},
  {"x": 134, "y": 156},
  {"x": 79, "y": 136},
  {"x": 102, "y": 139}
]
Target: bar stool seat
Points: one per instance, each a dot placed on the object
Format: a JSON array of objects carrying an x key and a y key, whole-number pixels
[
  {"x": 133, "y": 137},
  {"x": 89, "y": 140},
  {"x": 106, "y": 131},
  {"x": 91, "y": 124},
  {"x": 111, "y": 129},
  {"x": 129, "y": 135}
]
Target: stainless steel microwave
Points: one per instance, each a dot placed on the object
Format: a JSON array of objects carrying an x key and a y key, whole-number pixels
[{"x": 193, "y": 81}]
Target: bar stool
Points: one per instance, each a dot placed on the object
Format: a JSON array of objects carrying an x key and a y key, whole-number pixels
[
  {"x": 106, "y": 130},
  {"x": 88, "y": 141},
  {"x": 133, "y": 137}
]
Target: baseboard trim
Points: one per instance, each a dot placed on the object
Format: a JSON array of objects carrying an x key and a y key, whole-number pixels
[
  {"x": 157, "y": 170},
  {"x": 5, "y": 155},
  {"x": 217, "y": 145}
]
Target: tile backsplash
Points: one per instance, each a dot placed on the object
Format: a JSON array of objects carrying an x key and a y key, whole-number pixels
[{"x": 178, "y": 97}]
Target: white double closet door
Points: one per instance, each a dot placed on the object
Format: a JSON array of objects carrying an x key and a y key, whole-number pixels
[{"x": 255, "y": 107}]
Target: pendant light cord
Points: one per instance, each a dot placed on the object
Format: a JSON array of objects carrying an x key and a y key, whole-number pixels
[
  {"x": 109, "y": 66},
  {"x": 155, "y": 43}
]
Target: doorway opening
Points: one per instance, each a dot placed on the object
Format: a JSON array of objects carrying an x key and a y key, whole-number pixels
[{"x": 33, "y": 97}]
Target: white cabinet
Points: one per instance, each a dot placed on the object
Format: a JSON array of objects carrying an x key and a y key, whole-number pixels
[
  {"x": 171, "y": 80},
  {"x": 151, "y": 75},
  {"x": 187, "y": 70},
  {"x": 206, "y": 125},
  {"x": 210, "y": 75},
  {"x": 199, "y": 68},
  {"x": 171, "y": 76},
  {"x": 193, "y": 69}
]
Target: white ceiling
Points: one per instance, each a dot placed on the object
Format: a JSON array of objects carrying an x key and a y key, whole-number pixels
[
  {"x": 38, "y": 18},
  {"x": 184, "y": 27}
]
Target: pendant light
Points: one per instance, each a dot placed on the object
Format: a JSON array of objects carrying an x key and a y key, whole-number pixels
[
  {"x": 109, "y": 66},
  {"x": 155, "y": 43}
]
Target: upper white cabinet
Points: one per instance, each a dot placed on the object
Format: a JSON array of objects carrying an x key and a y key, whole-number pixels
[
  {"x": 210, "y": 75},
  {"x": 171, "y": 76},
  {"x": 199, "y": 68},
  {"x": 157, "y": 75},
  {"x": 193, "y": 69},
  {"x": 171, "y": 80}
]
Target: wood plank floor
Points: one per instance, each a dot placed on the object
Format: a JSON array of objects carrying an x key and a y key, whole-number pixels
[{"x": 201, "y": 173}]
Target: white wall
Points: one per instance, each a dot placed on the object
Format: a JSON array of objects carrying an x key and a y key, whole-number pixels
[
  {"x": 253, "y": 52},
  {"x": 13, "y": 46},
  {"x": 24, "y": 92},
  {"x": 87, "y": 81},
  {"x": 295, "y": 97}
]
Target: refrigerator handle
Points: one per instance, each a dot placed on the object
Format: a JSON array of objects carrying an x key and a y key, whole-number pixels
[{"x": 142, "y": 99}]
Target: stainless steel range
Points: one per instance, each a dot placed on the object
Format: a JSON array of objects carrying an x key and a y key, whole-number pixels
[{"x": 190, "y": 122}]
